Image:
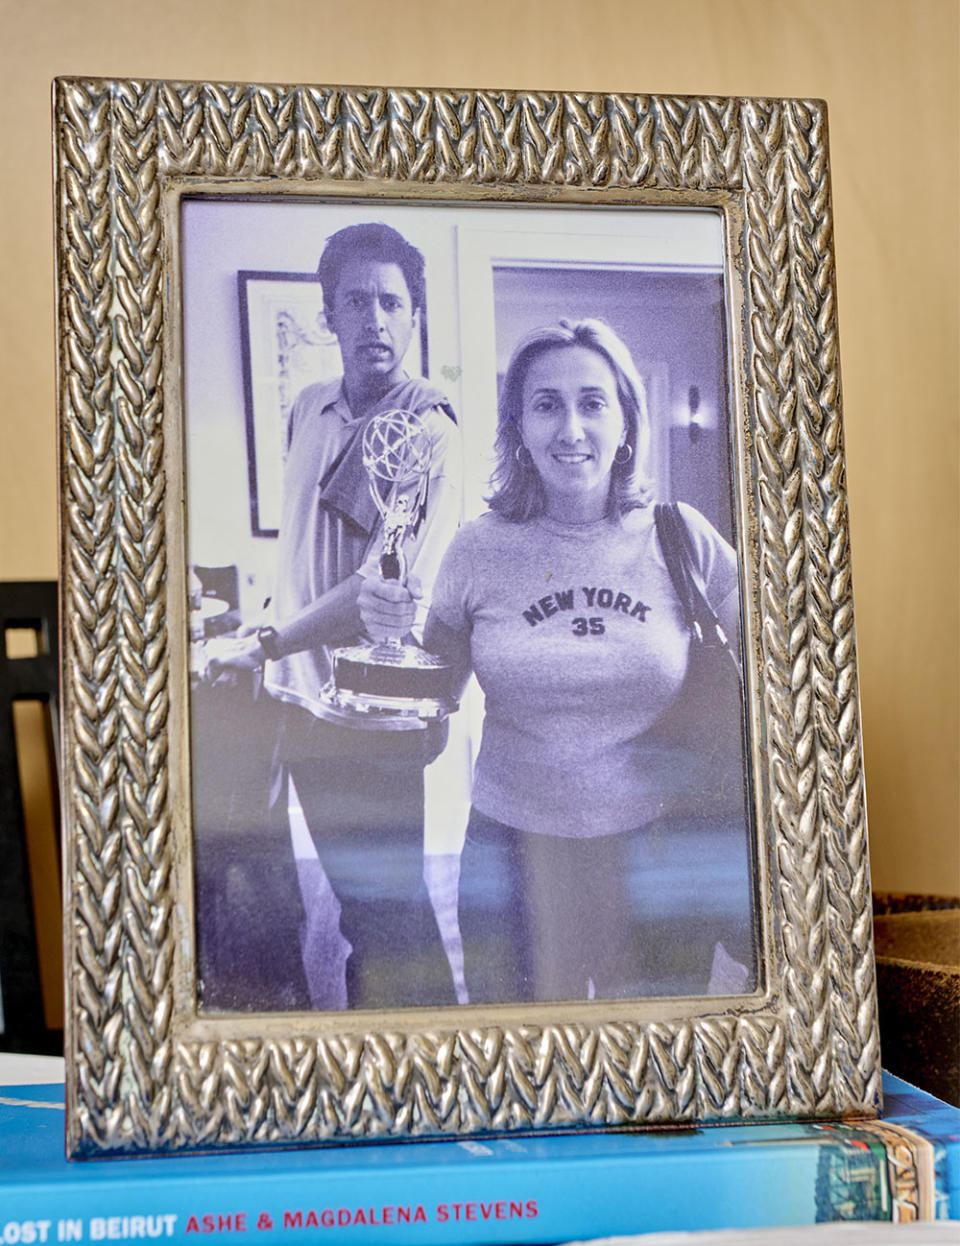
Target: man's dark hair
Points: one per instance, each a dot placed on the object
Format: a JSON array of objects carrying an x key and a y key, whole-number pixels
[{"x": 374, "y": 242}]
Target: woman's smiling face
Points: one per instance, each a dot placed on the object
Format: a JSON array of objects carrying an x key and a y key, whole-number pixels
[{"x": 572, "y": 425}]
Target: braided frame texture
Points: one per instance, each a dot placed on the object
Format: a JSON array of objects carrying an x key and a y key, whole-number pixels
[{"x": 134, "y": 1081}]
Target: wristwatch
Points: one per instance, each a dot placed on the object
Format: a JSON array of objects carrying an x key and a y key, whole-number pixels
[{"x": 268, "y": 638}]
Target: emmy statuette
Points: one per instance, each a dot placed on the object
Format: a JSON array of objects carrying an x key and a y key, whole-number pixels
[{"x": 393, "y": 685}]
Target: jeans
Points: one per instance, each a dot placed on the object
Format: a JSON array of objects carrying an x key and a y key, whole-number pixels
[
  {"x": 362, "y": 799},
  {"x": 628, "y": 915}
]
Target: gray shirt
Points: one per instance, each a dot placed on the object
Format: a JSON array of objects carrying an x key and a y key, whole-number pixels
[{"x": 579, "y": 644}]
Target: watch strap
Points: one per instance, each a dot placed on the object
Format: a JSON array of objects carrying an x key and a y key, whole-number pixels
[{"x": 269, "y": 643}]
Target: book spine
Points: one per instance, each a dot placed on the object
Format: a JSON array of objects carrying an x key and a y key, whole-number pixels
[
  {"x": 915, "y": 1171},
  {"x": 484, "y": 1201}
]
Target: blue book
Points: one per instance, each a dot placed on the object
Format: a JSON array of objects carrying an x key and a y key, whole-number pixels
[{"x": 519, "y": 1189}]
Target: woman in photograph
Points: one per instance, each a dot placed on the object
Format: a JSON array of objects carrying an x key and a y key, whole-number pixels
[{"x": 560, "y": 600}]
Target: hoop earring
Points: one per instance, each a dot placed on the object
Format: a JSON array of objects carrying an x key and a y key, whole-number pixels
[
  {"x": 519, "y": 453},
  {"x": 617, "y": 458}
]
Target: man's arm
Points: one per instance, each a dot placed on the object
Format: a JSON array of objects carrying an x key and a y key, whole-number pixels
[{"x": 332, "y": 619}]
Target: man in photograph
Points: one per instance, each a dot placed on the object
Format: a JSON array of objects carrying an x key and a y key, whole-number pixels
[{"x": 360, "y": 788}]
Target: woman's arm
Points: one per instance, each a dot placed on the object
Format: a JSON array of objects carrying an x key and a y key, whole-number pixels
[
  {"x": 453, "y": 646},
  {"x": 717, "y": 565},
  {"x": 728, "y": 616}
]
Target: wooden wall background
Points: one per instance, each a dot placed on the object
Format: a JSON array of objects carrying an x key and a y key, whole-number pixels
[{"x": 889, "y": 71}]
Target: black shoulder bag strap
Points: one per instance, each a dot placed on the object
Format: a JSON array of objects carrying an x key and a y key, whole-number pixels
[{"x": 679, "y": 554}]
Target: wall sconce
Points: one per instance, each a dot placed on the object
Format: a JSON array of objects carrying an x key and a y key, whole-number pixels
[{"x": 693, "y": 403}]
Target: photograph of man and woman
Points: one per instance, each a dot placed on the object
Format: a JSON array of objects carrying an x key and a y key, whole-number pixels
[{"x": 580, "y": 827}]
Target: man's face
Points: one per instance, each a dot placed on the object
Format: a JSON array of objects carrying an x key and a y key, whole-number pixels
[{"x": 373, "y": 318}]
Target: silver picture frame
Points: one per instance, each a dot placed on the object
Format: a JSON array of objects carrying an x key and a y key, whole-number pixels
[{"x": 147, "y": 1069}]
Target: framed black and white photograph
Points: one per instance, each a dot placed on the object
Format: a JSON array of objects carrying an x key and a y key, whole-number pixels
[
  {"x": 294, "y": 912},
  {"x": 459, "y": 679}
]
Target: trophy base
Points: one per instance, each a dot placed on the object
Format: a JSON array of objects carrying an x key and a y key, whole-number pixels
[{"x": 392, "y": 687}]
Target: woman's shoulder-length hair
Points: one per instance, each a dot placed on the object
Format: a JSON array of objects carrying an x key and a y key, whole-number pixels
[{"x": 517, "y": 493}]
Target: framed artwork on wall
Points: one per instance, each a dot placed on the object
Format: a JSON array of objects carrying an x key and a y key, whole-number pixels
[{"x": 286, "y": 345}]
